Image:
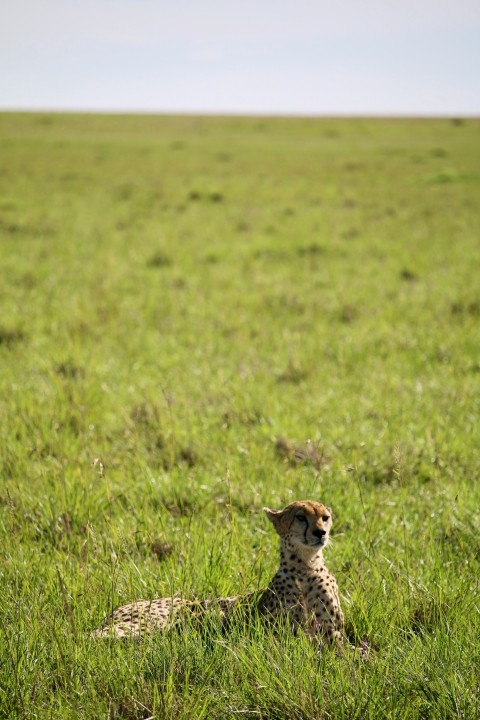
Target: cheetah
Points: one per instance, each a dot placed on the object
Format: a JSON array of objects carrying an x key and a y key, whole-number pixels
[{"x": 303, "y": 591}]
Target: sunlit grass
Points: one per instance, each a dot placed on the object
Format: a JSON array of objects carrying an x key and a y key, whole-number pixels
[{"x": 201, "y": 317}]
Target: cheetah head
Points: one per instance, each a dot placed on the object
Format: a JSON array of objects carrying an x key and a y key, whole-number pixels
[{"x": 304, "y": 524}]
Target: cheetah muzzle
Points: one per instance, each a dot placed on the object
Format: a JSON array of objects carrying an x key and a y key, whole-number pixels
[{"x": 302, "y": 590}]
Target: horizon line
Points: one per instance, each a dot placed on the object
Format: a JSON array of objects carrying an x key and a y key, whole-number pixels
[{"x": 402, "y": 115}]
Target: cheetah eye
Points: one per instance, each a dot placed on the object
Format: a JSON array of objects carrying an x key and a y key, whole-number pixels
[
  {"x": 326, "y": 518},
  {"x": 301, "y": 517}
]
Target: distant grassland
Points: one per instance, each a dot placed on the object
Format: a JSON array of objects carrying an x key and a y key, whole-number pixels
[{"x": 202, "y": 316}]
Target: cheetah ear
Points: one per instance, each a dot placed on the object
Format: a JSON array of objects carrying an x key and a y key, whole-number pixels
[{"x": 275, "y": 517}]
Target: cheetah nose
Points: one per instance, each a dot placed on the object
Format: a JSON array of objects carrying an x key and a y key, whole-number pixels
[{"x": 319, "y": 533}]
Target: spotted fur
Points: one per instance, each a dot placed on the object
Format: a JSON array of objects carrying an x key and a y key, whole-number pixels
[{"x": 302, "y": 590}]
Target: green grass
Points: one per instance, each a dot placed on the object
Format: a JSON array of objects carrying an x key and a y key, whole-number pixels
[{"x": 185, "y": 303}]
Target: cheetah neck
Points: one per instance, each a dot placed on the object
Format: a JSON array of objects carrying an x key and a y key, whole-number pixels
[{"x": 302, "y": 559}]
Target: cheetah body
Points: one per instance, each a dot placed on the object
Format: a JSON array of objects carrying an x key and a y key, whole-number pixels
[{"x": 302, "y": 590}]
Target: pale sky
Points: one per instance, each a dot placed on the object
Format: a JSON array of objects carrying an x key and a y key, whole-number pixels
[{"x": 335, "y": 57}]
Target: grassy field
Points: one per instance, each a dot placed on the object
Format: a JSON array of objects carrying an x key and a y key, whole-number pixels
[{"x": 203, "y": 316}]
